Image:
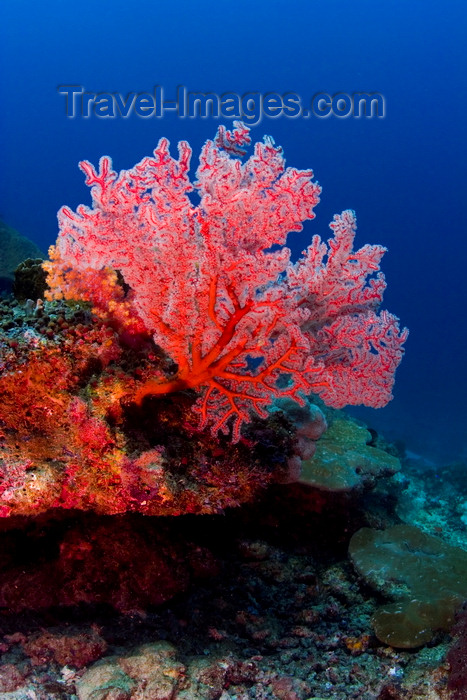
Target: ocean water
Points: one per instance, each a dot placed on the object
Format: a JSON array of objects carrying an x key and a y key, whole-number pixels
[{"x": 404, "y": 171}]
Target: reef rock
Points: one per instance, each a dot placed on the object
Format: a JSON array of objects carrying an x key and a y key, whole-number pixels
[{"x": 14, "y": 249}]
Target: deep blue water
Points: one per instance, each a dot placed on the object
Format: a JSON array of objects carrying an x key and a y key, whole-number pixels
[{"x": 404, "y": 174}]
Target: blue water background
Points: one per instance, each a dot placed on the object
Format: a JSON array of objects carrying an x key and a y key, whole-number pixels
[{"x": 405, "y": 175}]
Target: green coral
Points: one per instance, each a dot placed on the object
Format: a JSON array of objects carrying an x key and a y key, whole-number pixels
[
  {"x": 425, "y": 577},
  {"x": 344, "y": 460}
]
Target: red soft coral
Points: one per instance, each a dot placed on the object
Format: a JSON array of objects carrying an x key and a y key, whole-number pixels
[{"x": 214, "y": 285}]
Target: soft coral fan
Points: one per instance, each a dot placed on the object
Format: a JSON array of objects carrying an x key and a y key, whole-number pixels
[{"x": 214, "y": 285}]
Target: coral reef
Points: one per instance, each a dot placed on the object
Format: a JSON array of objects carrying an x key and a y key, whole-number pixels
[
  {"x": 278, "y": 613},
  {"x": 70, "y": 440},
  {"x": 181, "y": 365},
  {"x": 168, "y": 325}
]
